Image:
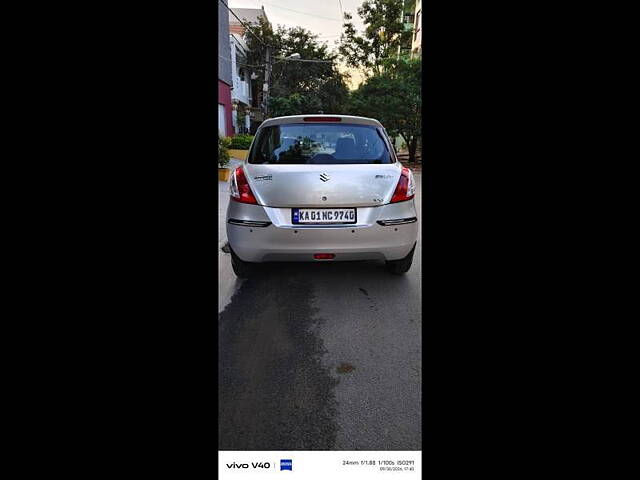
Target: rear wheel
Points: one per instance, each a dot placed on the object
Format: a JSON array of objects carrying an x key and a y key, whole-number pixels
[
  {"x": 241, "y": 268},
  {"x": 402, "y": 266}
]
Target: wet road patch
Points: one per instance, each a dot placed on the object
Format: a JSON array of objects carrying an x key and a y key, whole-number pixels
[{"x": 273, "y": 392}]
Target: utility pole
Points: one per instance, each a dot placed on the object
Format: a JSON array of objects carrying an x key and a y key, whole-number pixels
[
  {"x": 402, "y": 21},
  {"x": 265, "y": 87}
]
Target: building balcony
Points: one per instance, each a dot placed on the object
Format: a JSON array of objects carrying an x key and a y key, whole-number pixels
[{"x": 241, "y": 91}]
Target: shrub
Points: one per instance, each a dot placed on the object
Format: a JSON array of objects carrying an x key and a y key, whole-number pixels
[
  {"x": 241, "y": 142},
  {"x": 223, "y": 151}
]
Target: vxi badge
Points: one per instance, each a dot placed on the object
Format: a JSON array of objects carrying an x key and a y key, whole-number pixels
[{"x": 286, "y": 465}]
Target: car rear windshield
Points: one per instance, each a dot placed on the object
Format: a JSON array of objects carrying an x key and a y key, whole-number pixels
[{"x": 320, "y": 144}]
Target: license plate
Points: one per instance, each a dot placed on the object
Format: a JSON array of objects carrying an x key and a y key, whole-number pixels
[{"x": 323, "y": 215}]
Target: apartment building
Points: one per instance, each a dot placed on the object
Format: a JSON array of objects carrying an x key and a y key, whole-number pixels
[
  {"x": 246, "y": 94},
  {"x": 416, "y": 44},
  {"x": 225, "y": 79}
]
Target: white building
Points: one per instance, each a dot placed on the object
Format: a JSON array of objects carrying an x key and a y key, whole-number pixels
[
  {"x": 241, "y": 96},
  {"x": 247, "y": 96},
  {"x": 416, "y": 44}
]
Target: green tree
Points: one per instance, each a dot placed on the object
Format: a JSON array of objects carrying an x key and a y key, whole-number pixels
[
  {"x": 298, "y": 87},
  {"x": 394, "y": 97},
  {"x": 294, "y": 104},
  {"x": 383, "y": 36}
]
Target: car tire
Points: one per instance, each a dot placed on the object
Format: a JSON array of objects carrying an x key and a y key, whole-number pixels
[
  {"x": 241, "y": 268},
  {"x": 402, "y": 266}
]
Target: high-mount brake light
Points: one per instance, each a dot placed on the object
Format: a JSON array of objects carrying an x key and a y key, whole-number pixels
[
  {"x": 239, "y": 188},
  {"x": 405, "y": 190},
  {"x": 322, "y": 119}
]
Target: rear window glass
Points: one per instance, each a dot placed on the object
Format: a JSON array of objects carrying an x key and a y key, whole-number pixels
[{"x": 320, "y": 144}]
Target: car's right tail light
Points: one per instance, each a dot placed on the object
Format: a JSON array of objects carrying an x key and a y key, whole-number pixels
[
  {"x": 405, "y": 190},
  {"x": 239, "y": 188}
]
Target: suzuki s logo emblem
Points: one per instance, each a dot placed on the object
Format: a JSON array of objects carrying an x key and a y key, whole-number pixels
[{"x": 324, "y": 177}]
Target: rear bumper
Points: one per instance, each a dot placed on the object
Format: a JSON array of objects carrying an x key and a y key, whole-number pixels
[{"x": 282, "y": 241}]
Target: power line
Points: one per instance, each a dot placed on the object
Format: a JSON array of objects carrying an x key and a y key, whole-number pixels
[
  {"x": 240, "y": 63},
  {"x": 243, "y": 24},
  {"x": 303, "y": 13},
  {"x": 278, "y": 60},
  {"x": 301, "y": 60}
]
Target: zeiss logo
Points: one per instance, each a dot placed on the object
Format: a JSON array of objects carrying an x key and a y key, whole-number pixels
[{"x": 286, "y": 465}]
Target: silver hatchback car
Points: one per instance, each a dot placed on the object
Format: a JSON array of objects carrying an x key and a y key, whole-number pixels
[{"x": 321, "y": 188}]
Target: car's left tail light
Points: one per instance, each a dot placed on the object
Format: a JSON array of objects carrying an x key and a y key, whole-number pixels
[
  {"x": 405, "y": 190},
  {"x": 240, "y": 189}
]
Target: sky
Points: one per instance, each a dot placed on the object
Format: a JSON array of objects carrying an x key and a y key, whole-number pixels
[{"x": 322, "y": 17}]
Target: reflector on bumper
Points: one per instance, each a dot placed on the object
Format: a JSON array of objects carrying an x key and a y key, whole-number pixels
[
  {"x": 399, "y": 221},
  {"x": 248, "y": 223}
]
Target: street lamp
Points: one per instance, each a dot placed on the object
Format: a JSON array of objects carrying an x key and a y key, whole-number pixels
[
  {"x": 293, "y": 56},
  {"x": 296, "y": 58}
]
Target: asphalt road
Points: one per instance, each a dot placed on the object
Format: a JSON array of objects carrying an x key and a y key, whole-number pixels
[{"x": 320, "y": 356}]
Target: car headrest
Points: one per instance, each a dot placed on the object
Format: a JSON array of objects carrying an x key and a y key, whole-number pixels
[{"x": 345, "y": 146}]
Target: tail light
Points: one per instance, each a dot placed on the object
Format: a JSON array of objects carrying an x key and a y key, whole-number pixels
[
  {"x": 240, "y": 189},
  {"x": 406, "y": 188}
]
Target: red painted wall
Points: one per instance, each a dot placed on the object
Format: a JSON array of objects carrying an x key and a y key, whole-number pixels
[{"x": 224, "y": 98}]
